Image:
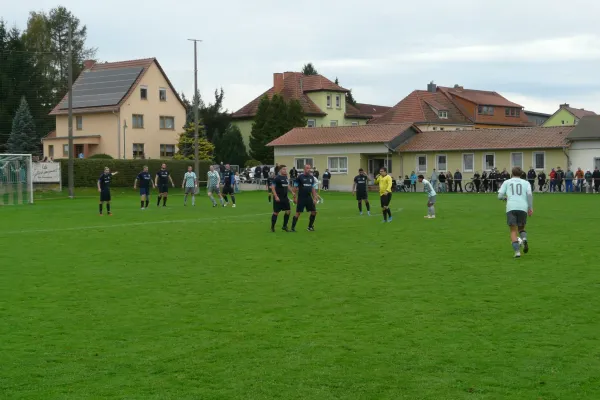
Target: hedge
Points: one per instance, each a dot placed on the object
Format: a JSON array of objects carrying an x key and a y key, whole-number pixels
[{"x": 87, "y": 171}]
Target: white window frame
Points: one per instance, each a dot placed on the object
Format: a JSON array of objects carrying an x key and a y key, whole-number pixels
[
  {"x": 354, "y": 123},
  {"x": 483, "y": 164},
  {"x": 338, "y": 170},
  {"x": 462, "y": 159},
  {"x": 533, "y": 160},
  {"x": 419, "y": 171},
  {"x": 144, "y": 87},
  {"x": 437, "y": 164},
  {"x": 160, "y": 92},
  {"x": 443, "y": 114},
  {"x": 329, "y": 101},
  {"x": 304, "y": 159},
  {"x": 338, "y": 101},
  {"x": 311, "y": 123},
  {"x": 333, "y": 123},
  {"x": 511, "y": 160}
]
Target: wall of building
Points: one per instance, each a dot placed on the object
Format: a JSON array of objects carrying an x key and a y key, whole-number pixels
[
  {"x": 583, "y": 154},
  {"x": 245, "y": 127},
  {"x": 562, "y": 117},
  {"x": 104, "y": 124}
]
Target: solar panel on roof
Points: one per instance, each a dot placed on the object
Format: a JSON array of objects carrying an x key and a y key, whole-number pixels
[{"x": 102, "y": 88}]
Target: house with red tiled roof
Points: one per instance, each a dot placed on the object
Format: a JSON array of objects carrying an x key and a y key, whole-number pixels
[
  {"x": 126, "y": 109},
  {"x": 323, "y": 102},
  {"x": 372, "y": 110},
  {"x": 567, "y": 115}
]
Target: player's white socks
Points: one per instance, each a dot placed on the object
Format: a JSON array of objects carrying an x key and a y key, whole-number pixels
[
  {"x": 523, "y": 235},
  {"x": 431, "y": 211}
]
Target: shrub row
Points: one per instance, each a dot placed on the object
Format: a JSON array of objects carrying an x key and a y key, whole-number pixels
[{"x": 87, "y": 171}]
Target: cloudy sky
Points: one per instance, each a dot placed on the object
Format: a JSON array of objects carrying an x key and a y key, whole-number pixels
[{"x": 538, "y": 53}]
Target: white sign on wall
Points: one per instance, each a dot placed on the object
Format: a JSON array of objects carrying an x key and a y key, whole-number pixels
[{"x": 46, "y": 172}]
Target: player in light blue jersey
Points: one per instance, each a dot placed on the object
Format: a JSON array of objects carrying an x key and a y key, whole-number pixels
[
  {"x": 519, "y": 204},
  {"x": 431, "y": 195},
  {"x": 212, "y": 186},
  {"x": 190, "y": 183}
]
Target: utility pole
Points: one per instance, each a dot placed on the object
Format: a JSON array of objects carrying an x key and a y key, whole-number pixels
[
  {"x": 196, "y": 104},
  {"x": 70, "y": 168}
]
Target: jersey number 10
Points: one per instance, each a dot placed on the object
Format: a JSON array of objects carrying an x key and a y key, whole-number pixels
[{"x": 519, "y": 189}]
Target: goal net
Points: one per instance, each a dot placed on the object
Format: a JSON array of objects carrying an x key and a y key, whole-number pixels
[{"x": 16, "y": 183}]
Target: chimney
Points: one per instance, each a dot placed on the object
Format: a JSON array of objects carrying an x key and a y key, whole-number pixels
[
  {"x": 278, "y": 82},
  {"x": 564, "y": 105},
  {"x": 431, "y": 87},
  {"x": 88, "y": 64}
]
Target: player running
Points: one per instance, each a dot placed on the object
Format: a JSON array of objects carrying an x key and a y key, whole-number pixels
[
  {"x": 361, "y": 190},
  {"x": 305, "y": 197},
  {"x": 145, "y": 179},
  {"x": 519, "y": 203},
  {"x": 385, "y": 193},
  {"x": 228, "y": 184},
  {"x": 162, "y": 181},
  {"x": 190, "y": 183},
  {"x": 431, "y": 194},
  {"x": 279, "y": 189},
  {"x": 104, "y": 189},
  {"x": 212, "y": 186}
]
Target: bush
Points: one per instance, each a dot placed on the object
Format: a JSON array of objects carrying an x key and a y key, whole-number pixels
[
  {"x": 252, "y": 163},
  {"x": 103, "y": 156},
  {"x": 87, "y": 171}
]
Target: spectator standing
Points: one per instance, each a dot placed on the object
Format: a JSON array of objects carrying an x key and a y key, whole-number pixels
[
  {"x": 450, "y": 181},
  {"x": 596, "y": 179},
  {"x": 277, "y": 168},
  {"x": 569, "y": 176},
  {"x": 293, "y": 173},
  {"x": 316, "y": 173},
  {"x": 458, "y": 181},
  {"x": 541, "y": 180},
  {"x": 326, "y": 179},
  {"x": 531, "y": 175},
  {"x": 477, "y": 181},
  {"x": 588, "y": 180},
  {"x": 504, "y": 176},
  {"x": 236, "y": 188},
  {"x": 485, "y": 181},
  {"x": 560, "y": 178},
  {"x": 433, "y": 180},
  {"x": 407, "y": 183},
  {"x": 81, "y": 156},
  {"x": 579, "y": 175},
  {"x": 553, "y": 181},
  {"x": 442, "y": 179},
  {"x": 257, "y": 174},
  {"x": 413, "y": 182},
  {"x": 493, "y": 178},
  {"x": 265, "y": 172}
]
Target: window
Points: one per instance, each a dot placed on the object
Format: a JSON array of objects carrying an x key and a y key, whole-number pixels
[
  {"x": 137, "y": 121},
  {"x": 333, "y": 123},
  {"x": 144, "y": 92},
  {"x": 167, "y": 150},
  {"x": 328, "y": 101},
  {"x": 162, "y": 94},
  {"x": 443, "y": 114},
  {"x": 422, "y": 164},
  {"x": 51, "y": 151},
  {"x": 467, "y": 164},
  {"x": 516, "y": 159},
  {"x": 311, "y": 123},
  {"x": 596, "y": 162},
  {"x": 167, "y": 122},
  {"x": 512, "y": 112},
  {"x": 489, "y": 161},
  {"x": 576, "y": 121},
  {"x": 138, "y": 150},
  {"x": 539, "y": 160},
  {"x": 301, "y": 162},
  {"x": 79, "y": 122},
  {"x": 485, "y": 110},
  {"x": 563, "y": 122},
  {"x": 355, "y": 123},
  {"x": 435, "y": 128},
  {"x": 441, "y": 128},
  {"x": 441, "y": 163},
  {"x": 338, "y": 101},
  {"x": 65, "y": 150},
  {"x": 337, "y": 165}
]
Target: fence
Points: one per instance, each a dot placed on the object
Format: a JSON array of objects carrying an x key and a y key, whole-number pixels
[{"x": 492, "y": 186}]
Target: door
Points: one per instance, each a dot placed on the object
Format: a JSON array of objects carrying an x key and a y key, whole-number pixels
[
  {"x": 78, "y": 150},
  {"x": 375, "y": 164},
  {"x": 51, "y": 151}
]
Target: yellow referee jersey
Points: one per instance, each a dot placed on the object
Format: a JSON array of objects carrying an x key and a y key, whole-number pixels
[{"x": 385, "y": 184}]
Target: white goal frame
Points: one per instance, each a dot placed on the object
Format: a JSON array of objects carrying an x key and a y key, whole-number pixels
[{"x": 19, "y": 157}]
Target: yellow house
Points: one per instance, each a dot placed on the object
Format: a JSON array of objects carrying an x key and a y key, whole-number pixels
[
  {"x": 125, "y": 109},
  {"x": 343, "y": 150},
  {"x": 323, "y": 102},
  {"x": 567, "y": 115},
  {"x": 484, "y": 149}
]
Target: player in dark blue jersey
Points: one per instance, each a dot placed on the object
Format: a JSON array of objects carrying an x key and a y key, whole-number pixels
[
  {"x": 104, "y": 189},
  {"x": 163, "y": 177},
  {"x": 281, "y": 202},
  {"x": 228, "y": 185},
  {"x": 145, "y": 180},
  {"x": 361, "y": 189},
  {"x": 305, "y": 197}
]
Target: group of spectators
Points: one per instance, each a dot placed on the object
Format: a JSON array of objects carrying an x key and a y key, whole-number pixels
[{"x": 577, "y": 181}]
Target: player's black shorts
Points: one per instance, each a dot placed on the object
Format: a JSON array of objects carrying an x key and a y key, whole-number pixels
[
  {"x": 516, "y": 218},
  {"x": 307, "y": 204},
  {"x": 163, "y": 189},
  {"x": 386, "y": 199},
  {"x": 282, "y": 205},
  {"x": 227, "y": 189},
  {"x": 362, "y": 196},
  {"x": 105, "y": 195}
]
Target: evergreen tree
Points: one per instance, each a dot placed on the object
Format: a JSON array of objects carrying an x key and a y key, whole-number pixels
[
  {"x": 350, "y": 98},
  {"x": 258, "y": 136},
  {"x": 23, "y": 138},
  {"x": 186, "y": 144},
  {"x": 309, "y": 69},
  {"x": 230, "y": 147}
]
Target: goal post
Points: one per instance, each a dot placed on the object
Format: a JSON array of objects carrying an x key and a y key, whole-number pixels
[{"x": 16, "y": 179}]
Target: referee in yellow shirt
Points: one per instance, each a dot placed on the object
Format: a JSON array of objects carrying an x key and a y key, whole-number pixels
[{"x": 385, "y": 193}]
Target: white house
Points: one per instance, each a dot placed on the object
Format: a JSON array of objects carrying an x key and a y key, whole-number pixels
[{"x": 584, "y": 141}]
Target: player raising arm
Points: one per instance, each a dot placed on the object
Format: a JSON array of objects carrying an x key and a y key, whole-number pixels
[
  {"x": 519, "y": 204},
  {"x": 162, "y": 181},
  {"x": 104, "y": 189},
  {"x": 360, "y": 189},
  {"x": 385, "y": 193}
]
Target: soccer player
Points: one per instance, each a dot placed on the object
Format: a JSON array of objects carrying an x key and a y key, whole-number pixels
[
  {"x": 316, "y": 185},
  {"x": 145, "y": 179},
  {"x": 281, "y": 202},
  {"x": 305, "y": 197},
  {"x": 212, "y": 186},
  {"x": 361, "y": 190},
  {"x": 270, "y": 180},
  {"x": 385, "y": 193},
  {"x": 162, "y": 181},
  {"x": 190, "y": 183},
  {"x": 431, "y": 194},
  {"x": 104, "y": 189},
  {"x": 228, "y": 183},
  {"x": 519, "y": 203}
]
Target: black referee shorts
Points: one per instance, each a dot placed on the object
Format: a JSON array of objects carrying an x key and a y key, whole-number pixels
[{"x": 386, "y": 199}]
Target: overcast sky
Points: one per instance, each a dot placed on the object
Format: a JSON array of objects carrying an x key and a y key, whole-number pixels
[{"x": 538, "y": 53}]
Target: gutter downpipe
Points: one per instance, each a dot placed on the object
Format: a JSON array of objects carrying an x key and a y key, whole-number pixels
[
  {"x": 564, "y": 149},
  {"x": 118, "y": 134}
]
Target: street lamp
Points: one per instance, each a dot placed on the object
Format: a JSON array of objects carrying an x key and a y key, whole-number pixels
[{"x": 124, "y": 135}]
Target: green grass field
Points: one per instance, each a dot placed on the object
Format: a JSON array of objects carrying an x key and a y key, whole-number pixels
[{"x": 203, "y": 303}]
